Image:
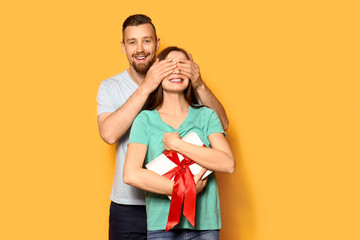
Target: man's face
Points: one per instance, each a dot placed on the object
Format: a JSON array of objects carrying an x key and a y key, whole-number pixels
[{"x": 140, "y": 46}]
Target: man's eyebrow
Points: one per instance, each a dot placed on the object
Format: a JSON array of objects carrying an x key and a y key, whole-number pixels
[{"x": 129, "y": 39}]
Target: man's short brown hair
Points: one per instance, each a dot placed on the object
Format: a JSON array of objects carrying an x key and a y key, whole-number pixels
[{"x": 136, "y": 20}]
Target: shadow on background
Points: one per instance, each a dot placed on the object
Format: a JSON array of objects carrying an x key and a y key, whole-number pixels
[{"x": 237, "y": 210}]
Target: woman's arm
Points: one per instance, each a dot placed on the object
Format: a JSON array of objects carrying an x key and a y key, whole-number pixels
[
  {"x": 139, "y": 177},
  {"x": 145, "y": 179},
  {"x": 217, "y": 158}
]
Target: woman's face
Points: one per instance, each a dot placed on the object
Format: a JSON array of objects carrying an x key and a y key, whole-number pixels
[{"x": 175, "y": 82}]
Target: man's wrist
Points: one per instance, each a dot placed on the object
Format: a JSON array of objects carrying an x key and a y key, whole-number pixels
[
  {"x": 144, "y": 90},
  {"x": 200, "y": 87}
]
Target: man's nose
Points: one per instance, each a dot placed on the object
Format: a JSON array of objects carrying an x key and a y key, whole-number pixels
[{"x": 140, "y": 47}]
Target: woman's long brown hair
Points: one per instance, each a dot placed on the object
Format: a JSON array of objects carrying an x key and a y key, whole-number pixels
[{"x": 155, "y": 98}]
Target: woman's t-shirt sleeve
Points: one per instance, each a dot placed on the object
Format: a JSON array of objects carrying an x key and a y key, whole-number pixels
[
  {"x": 139, "y": 130},
  {"x": 214, "y": 123}
]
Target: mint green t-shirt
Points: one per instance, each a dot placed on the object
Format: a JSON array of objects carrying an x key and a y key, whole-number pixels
[{"x": 148, "y": 129}]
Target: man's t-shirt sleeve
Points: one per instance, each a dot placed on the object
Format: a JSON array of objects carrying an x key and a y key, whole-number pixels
[
  {"x": 139, "y": 130},
  {"x": 214, "y": 123},
  {"x": 105, "y": 100}
]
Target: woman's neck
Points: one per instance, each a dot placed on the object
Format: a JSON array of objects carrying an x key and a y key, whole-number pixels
[{"x": 173, "y": 104}]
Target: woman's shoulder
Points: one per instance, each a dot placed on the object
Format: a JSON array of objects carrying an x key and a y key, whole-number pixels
[
  {"x": 147, "y": 112},
  {"x": 203, "y": 110}
]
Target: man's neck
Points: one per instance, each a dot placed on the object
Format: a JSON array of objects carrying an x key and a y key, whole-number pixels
[{"x": 138, "y": 78}]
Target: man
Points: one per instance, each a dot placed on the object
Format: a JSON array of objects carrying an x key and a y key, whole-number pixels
[{"x": 121, "y": 98}]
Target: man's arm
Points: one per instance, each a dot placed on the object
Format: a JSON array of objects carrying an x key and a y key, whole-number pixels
[
  {"x": 208, "y": 99},
  {"x": 190, "y": 69},
  {"x": 113, "y": 126}
]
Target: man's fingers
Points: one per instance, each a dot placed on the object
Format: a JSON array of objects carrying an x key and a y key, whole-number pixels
[
  {"x": 159, "y": 63},
  {"x": 166, "y": 68},
  {"x": 185, "y": 69},
  {"x": 159, "y": 70},
  {"x": 165, "y": 64},
  {"x": 187, "y": 72},
  {"x": 156, "y": 62},
  {"x": 167, "y": 60},
  {"x": 188, "y": 75},
  {"x": 191, "y": 66},
  {"x": 185, "y": 61},
  {"x": 166, "y": 73}
]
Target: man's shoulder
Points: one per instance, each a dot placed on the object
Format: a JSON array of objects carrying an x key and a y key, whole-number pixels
[{"x": 121, "y": 78}]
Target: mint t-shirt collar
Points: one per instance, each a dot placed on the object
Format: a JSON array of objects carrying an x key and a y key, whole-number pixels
[{"x": 186, "y": 119}]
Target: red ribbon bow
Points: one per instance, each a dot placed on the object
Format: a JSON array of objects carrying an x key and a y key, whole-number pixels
[{"x": 184, "y": 186}]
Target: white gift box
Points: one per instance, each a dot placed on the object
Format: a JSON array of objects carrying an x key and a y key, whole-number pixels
[{"x": 162, "y": 164}]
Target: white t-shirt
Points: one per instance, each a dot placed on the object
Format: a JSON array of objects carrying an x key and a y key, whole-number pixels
[{"x": 112, "y": 94}]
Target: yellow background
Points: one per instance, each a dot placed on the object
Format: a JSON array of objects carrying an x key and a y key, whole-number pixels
[{"x": 286, "y": 71}]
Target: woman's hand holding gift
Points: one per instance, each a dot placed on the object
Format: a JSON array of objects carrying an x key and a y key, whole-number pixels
[
  {"x": 170, "y": 140},
  {"x": 200, "y": 184}
]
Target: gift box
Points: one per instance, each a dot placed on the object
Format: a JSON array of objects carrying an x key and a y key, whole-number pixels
[
  {"x": 181, "y": 170},
  {"x": 162, "y": 164}
]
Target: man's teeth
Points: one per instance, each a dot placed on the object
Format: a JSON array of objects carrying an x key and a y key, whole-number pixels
[{"x": 140, "y": 58}]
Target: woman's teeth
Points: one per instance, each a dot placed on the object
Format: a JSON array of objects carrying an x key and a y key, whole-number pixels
[{"x": 176, "y": 80}]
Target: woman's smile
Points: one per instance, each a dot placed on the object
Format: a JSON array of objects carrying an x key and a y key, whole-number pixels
[{"x": 176, "y": 80}]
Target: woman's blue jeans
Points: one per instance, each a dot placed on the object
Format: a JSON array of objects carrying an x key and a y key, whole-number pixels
[{"x": 184, "y": 234}]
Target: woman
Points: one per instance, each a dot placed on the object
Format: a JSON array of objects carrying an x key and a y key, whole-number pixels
[{"x": 171, "y": 112}]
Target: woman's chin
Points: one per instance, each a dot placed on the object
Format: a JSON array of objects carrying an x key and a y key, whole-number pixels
[{"x": 175, "y": 89}]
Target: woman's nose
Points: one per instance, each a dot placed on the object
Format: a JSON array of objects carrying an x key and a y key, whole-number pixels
[{"x": 176, "y": 71}]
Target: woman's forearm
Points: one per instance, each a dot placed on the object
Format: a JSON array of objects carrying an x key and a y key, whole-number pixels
[
  {"x": 139, "y": 177},
  {"x": 148, "y": 181},
  {"x": 210, "y": 158}
]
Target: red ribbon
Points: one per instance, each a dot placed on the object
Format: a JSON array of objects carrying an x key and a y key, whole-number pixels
[{"x": 184, "y": 187}]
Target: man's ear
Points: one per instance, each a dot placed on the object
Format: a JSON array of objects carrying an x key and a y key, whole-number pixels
[
  {"x": 123, "y": 47},
  {"x": 157, "y": 44}
]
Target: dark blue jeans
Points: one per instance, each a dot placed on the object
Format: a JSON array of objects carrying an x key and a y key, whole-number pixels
[
  {"x": 184, "y": 234},
  {"x": 127, "y": 222}
]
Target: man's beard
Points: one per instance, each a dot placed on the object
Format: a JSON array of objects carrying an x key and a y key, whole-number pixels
[{"x": 142, "y": 68}]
